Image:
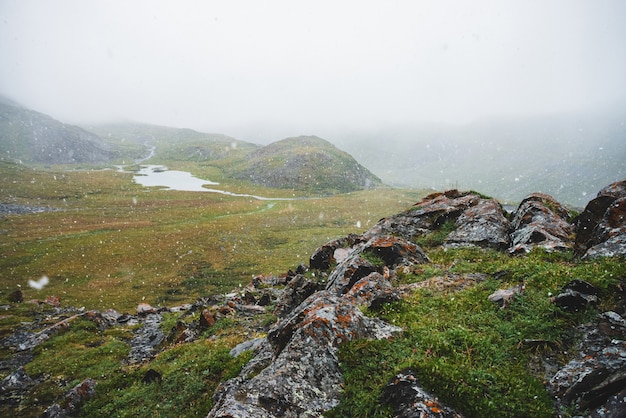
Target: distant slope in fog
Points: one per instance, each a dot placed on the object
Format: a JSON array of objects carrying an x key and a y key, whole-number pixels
[
  {"x": 569, "y": 156},
  {"x": 304, "y": 163},
  {"x": 177, "y": 144},
  {"x": 33, "y": 137}
]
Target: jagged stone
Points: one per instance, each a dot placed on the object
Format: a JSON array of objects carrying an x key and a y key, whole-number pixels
[
  {"x": 374, "y": 290},
  {"x": 593, "y": 214},
  {"x": 296, "y": 291},
  {"x": 207, "y": 319},
  {"x": 482, "y": 225},
  {"x": 74, "y": 400},
  {"x": 323, "y": 257},
  {"x": 541, "y": 221},
  {"x": 145, "y": 309},
  {"x": 576, "y": 296},
  {"x": 298, "y": 372},
  {"x": 146, "y": 339},
  {"x": 15, "y": 385},
  {"x": 392, "y": 251},
  {"x": 426, "y": 216},
  {"x": 503, "y": 297},
  {"x": 249, "y": 345},
  {"x": 608, "y": 238},
  {"x": 597, "y": 374},
  {"x": 410, "y": 400}
]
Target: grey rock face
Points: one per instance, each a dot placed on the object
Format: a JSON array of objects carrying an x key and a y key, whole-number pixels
[
  {"x": 410, "y": 400},
  {"x": 482, "y": 225},
  {"x": 541, "y": 221}
]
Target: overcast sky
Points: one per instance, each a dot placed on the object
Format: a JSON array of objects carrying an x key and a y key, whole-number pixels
[{"x": 306, "y": 67}]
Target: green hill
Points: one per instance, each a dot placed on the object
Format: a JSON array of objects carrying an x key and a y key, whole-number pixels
[
  {"x": 304, "y": 163},
  {"x": 32, "y": 137},
  {"x": 176, "y": 144}
]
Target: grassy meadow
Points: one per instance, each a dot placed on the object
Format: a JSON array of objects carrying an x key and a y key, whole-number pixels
[{"x": 114, "y": 244}]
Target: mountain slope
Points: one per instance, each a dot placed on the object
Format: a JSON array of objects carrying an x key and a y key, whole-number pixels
[
  {"x": 177, "y": 144},
  {"x": 33, "y": 137},
  {"x": 305, "y": 163}
]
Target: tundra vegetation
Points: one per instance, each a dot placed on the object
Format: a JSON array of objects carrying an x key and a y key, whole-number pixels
[{"x": 115, "y": 244}]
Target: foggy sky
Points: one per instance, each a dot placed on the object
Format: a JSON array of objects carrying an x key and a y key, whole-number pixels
[{"x": 296, "y": 67}]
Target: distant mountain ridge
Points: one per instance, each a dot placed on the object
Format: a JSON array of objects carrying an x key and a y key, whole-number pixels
[
  {"x": 33, "y": 137},
  {"x": 305, "y": 163}
]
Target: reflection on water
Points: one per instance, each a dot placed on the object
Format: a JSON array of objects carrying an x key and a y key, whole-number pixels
[{"x": 160, "y": 176}]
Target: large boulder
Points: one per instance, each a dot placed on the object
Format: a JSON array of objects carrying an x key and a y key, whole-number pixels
[
  {"x": 541, "y": 221},
  {"x": 295, "y": 372},
  {"x": 593, "y": 214},
  {"x": 426, "y": 216},
  {"x": 379, "y": 254},
  {"x": 483, "y": 225},
  {"x": 608, "y": 238},
  {"x": 594, "y": 379}
]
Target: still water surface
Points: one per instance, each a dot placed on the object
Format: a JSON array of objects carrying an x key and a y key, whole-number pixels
[{"x": 160, "y": 176}]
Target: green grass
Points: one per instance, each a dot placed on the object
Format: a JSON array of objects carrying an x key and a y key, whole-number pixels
[
  {"x": 116, "y": 243},
  {"x": 465, "y": 348}
]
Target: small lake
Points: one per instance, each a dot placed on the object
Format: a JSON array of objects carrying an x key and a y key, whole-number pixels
[{"x": 160, "y": 176}]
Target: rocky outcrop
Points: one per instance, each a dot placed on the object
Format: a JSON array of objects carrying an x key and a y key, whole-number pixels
[
  {"x": 482, "y": 225},
  {"x": 541, "y": 221},
  {"x": 595, "y": 379},
  {"x": 601, "y": 227},
  {"x": 295, "y": 373},
  {"x": 428, "y": 215},
  {"x": 410, "y": 400}
]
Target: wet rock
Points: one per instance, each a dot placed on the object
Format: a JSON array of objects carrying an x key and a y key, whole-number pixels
[
  {"x": 249, "y": 345},
  {"x": 426, "y": 216},
  {"x": 301, "y": 269},
  {"x": 483, "y": 225},
  {"x": 373, "y": 291},
  {"x": 207, "y": 319},
  {"x": 146, "y": 340},
  {"x": 323, "y": 257},
  {"x": 151, "y": 376},
  {"x": 395, "y": 252},
  {"x": 410, "y": 400},
  {"x": 593, "y": 214},
  {"x": 295, "y": 372},
  {"x": 504, "y": 297},
  {"x": 541, "y": 221},
  {"x": 73, "y": 401},
  {"x": 296, "y": 291},
  {"x": 576, "y": 296},
  {"x": 608, "y": 238},
  {"x": 594, "y": 379},
  {"x": 392, "y": 251},
  {"x": 14, "y": 386}
]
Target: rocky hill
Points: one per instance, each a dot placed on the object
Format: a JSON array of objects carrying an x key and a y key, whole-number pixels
[
  {"x": 32, "y": 137},
  {"x": 305, "y": 163},
  {"x": 384, "y": 324}
]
